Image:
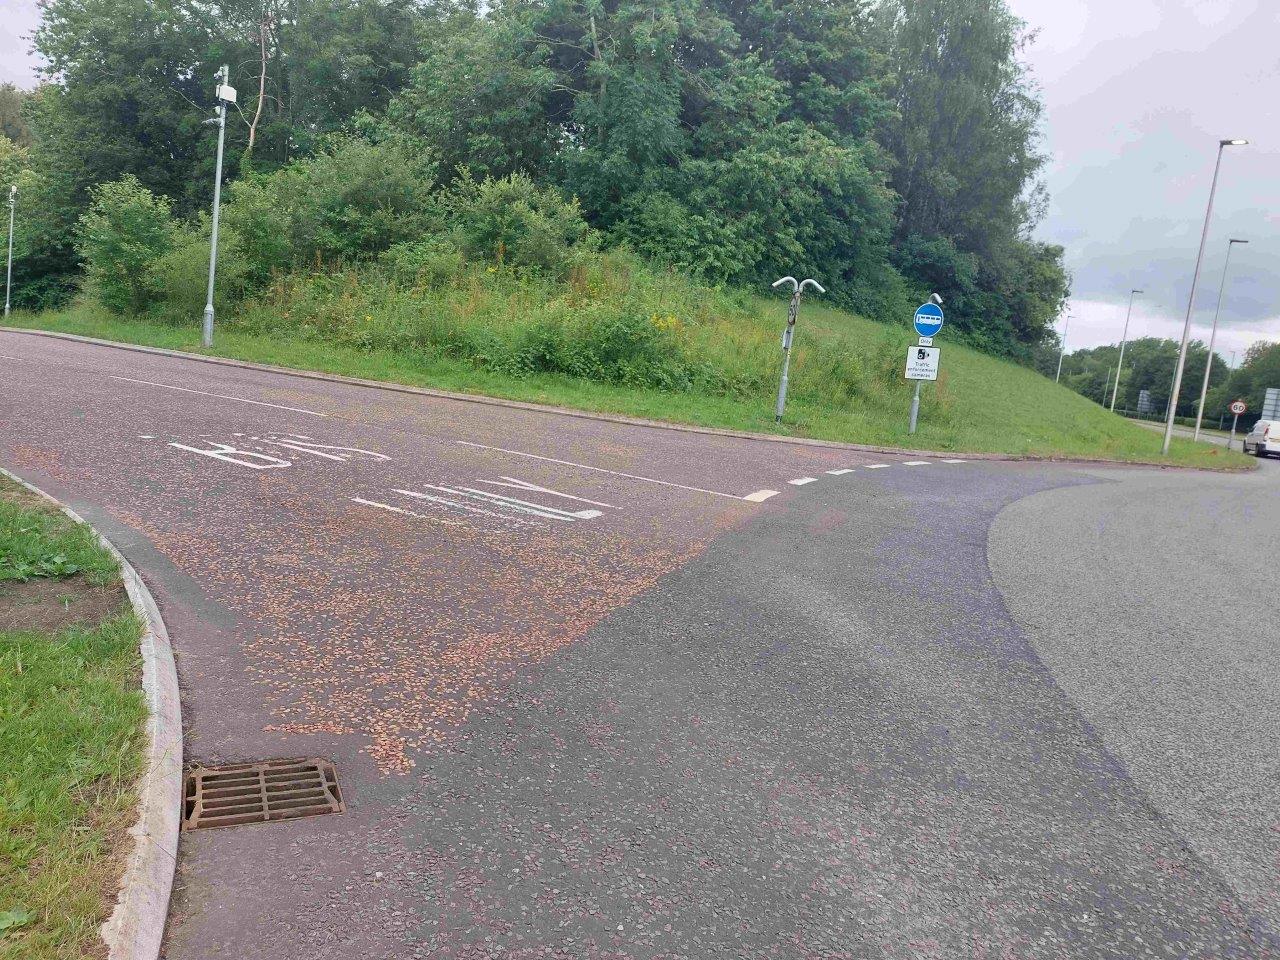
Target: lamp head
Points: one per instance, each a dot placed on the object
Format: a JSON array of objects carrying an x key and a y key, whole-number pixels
[
  {"x": 1229, "y": 242},
  {"x": 1232, "y": 143},
  {"x": 934, "y": 298},
  {"x": 1131, "y": 292}
]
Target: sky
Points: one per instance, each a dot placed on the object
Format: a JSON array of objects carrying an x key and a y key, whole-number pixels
[{"x": 1137, "y": 95}]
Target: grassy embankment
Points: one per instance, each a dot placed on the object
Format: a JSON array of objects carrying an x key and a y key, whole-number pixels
[
  {"x": 71, "y": 734},
  {"x": 621, "y": 338}
]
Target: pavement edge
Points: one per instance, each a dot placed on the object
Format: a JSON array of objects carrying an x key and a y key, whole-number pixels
[{"x": 135, "y": 929}]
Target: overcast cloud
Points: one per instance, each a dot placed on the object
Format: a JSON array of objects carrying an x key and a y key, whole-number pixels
[{"x": 1137, "y": 95}]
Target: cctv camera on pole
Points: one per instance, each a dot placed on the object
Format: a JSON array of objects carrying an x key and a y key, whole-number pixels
[{"x": 225, "y": 94}]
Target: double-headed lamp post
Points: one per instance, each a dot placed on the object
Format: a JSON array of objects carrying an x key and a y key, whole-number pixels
[
  {"x": 225, "y": 94},
  {"x": 1191, "y": 300},
  {"x": 1213, "y": 338},
  {"x": 1124, "y": 339},
  {"x": 8, "y": 273},
  {"x": 797, "y": 289}
]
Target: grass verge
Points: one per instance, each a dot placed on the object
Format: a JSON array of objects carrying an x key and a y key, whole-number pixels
[
  {"x": 846, "y": 371},
  {"x": 71, "y": 737}
]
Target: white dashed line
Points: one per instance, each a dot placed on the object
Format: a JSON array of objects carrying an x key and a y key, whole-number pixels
[
  {"x": 915, "y": 463},
  {"x": 877, "y": 466},
  {"x": 800, "y": 482},
  {"x": 221, "y": 396},
  {"x": 955, "y": 461},
  {"x": 760, "y": 496},
  {"x": 838, "y": 473}
]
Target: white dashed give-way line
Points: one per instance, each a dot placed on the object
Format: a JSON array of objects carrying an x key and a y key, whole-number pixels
[{"x": 803, "y": 481}]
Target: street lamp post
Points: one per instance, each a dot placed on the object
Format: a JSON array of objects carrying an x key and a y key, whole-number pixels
[
  {"x": 1213, "y": 337},
  {"x": 1066, "y": 323},
  {"x": 797, "y": 288},
  {"x": 1124, "y": 339},
  {"x": 8, "y": 273},
  {"x": 1191, "y": 300},
  {"x": 225, "y": 94}
]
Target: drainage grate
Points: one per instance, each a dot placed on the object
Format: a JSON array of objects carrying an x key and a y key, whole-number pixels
[{"x": 259, "y": 792}]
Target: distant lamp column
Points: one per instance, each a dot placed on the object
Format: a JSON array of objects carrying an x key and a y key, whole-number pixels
[
  {"x": 1191, "y": 300},
  {"x": 8, "y": 273},
  {"x": 1213, "y": 337},
  {"x": 1124, "y": 339},
  {"x": 1066, "y": 323}
]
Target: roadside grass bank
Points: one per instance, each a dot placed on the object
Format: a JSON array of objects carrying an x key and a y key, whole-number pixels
[
  {"x": 612, "y": 337},
  {"x": 72, "y": 733}
]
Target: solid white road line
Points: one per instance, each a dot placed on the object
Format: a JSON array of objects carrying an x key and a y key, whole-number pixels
[
  {"x": 802, "y": 481},
  {"x": 915, "y": 463},
  {"x": 220, "y": 396},
  {"x": 838, "y": 473},
  {"x": 616, "y": 473}
]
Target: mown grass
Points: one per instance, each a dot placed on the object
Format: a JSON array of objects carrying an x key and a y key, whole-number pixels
[
  {"x": 620, "y": 338},
  {"x": 70, "y": 747}
]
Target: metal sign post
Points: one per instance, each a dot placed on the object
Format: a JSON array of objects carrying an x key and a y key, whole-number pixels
[
  {"x": 797, "y": 288},
  {"x": 923, "y": 360},
  {"x": 1237, "y": 408}
]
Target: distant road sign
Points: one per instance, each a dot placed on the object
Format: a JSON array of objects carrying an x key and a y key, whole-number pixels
[
  {"x": 1239, "y": 407},
  {"x": 922, "y": 363},
  {"x": 929, "y": 320}
]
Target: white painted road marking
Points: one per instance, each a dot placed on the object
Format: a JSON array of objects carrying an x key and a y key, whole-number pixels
[
  {"x": 305, "y": 444},
  {"x": 616, "y": 473},
  {"x": 838, "y": 473},
  {"x": 229, "y": 454},
  {"x": 406, "y": 513},
  {"x": 955, "y": 461},
  {"x": 802, "y": 481},
  {"x": 915, "y": 463},
  {"x": 220, "y": 396},
  {"x": 877, "y": 466},
  {"x": 534, "y": 488},
  {"x": 760, "y": 496}
]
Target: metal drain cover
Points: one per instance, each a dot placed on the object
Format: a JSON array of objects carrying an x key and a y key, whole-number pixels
[{"x": 259, "y": 792}]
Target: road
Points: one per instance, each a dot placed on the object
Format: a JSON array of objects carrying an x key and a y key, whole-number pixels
[{"x": 606, "y": 690}]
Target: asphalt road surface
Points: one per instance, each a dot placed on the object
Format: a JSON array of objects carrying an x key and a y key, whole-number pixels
[{"x": 597, "y": 690}]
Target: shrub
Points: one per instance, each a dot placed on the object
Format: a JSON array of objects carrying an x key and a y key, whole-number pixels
[
  {"x": 178, "y": 279},
  {"x": 125, "y": 229},
  {"x": 515, "y": 222},
  {"x": 354, "y": 200}
]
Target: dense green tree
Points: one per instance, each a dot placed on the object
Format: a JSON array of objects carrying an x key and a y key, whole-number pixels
[
  {"x": 13, "y": 120},
  {"x": 1149, "y": 363},
  {"x": 124, "y": 231},
  {"x": 964, "y": 137}
]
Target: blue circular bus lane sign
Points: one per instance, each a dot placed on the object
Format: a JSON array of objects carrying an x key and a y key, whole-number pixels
[{"x": 929, "y": 320}]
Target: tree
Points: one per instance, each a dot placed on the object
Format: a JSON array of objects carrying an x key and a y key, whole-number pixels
[
  {"x": 125, "y": 230},
  {"x": 13, "y": 122},
  {"x": 964, "y": 137}
]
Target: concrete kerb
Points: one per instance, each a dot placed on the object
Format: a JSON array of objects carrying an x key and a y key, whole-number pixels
[
  {"x": 135, "y": 929},
  {"x": 584, "y": 414}
]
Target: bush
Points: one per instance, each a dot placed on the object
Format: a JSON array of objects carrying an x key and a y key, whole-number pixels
[
  {"x": 515, "y": 222},
  {"x": 125, "y": 229},
  {"x": 354, "y": 200},
  {"x": 178, "y": 279}
]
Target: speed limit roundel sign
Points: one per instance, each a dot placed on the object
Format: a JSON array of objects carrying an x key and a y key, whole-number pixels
[{"x": 1239, "y": 407}]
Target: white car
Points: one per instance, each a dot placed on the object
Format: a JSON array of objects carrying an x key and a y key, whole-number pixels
[{"x": 1264, "y": 439}]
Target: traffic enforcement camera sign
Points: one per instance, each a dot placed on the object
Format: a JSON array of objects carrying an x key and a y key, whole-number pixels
[
  {"x": 922, "y": 363},
  {"x": 1239, "y": 407}
]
